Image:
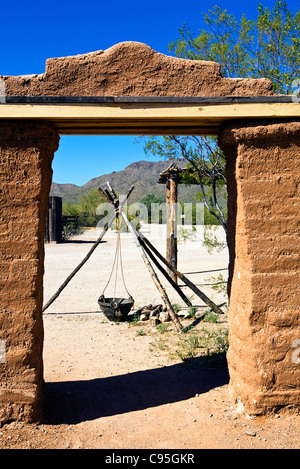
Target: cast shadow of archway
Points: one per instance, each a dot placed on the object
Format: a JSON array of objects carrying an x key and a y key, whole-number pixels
[{"x": 72, "y": 402}]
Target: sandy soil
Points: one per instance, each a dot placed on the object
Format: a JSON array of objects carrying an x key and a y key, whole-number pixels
[{"x": 114, "y": 386}]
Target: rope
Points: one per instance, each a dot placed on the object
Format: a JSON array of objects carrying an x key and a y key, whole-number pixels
[
  {"x": 121, "y": 263},
  {"x": 109, "y": 279},
  {"x": 116, "y": 263}
]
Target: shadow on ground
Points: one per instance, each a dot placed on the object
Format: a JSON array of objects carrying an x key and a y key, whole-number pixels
[{"x": 72, "y": 402}]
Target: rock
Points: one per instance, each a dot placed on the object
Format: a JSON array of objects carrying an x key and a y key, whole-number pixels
[
  {"x": 146, "y": 312},
  {"x": 156, "y": 310},
  {"x": 186, "y": 315},
  {"x": 154, "y": 321},
  {"x": 164, "y": 317},
  {"x": 149, "y": 311}
]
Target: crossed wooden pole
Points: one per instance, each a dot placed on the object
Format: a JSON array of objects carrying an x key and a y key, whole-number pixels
[
  {"x": 147, "y": 251},
  {"x": 112, "y": 198},
  {"x": 86, "y": 258}
]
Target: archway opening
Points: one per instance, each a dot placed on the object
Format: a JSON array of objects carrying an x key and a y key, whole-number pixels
[{"x": 81, "y": 346}]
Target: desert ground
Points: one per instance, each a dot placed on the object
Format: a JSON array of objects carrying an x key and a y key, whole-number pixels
[{"x": 133, "y": 385}]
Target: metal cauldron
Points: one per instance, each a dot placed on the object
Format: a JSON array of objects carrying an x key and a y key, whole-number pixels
[{"x": 115, "y": 309}]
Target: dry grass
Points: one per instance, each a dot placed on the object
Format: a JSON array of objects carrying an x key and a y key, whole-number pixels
[{"x": 204, "y": 337}]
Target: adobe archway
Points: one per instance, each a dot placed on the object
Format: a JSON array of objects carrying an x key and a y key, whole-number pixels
[{"x": 132, "y": 89}]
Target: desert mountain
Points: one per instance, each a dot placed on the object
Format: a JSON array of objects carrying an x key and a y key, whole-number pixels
[{"x": 143, "y": 175}]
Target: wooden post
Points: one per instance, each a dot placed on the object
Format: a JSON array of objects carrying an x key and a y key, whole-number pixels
[
  {"x": 53, "y": 232},
  {"x": 182, "y": 277},
  {"x": 171, "y": 205}
]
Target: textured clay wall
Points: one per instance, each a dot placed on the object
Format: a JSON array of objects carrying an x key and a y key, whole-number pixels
[
  {"x": 26, "y": 152},
  {"x": 132, "y": 69},
  {"x": 263, "y": 170}
]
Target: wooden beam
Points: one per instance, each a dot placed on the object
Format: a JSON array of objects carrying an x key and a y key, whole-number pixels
[
  {"x": 146, "y": 117},
  {"x": 185, "y": 280},
  {"x": 147, "y": 111}
]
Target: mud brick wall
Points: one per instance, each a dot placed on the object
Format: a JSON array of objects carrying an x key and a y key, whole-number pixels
[
  {"x": 132, "y": 69},
  {"x": 26, "y": 153},
  {"x": 263, "y": 172}
]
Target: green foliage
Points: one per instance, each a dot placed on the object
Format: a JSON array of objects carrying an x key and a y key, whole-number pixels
[
  {"x": 206, "y": 163},
  {"x": 71, "y": 228},
  {"x": 162, "y": 327},
  {"x": 210, "y": 240},
  {"x": 150, "y": 199},
  {"x": 203, "y": 343},
  {"x": 120, "y": 225},
  {"x": 192, "y": 311},
  {"x": 88, "y": 203},
  {"x": 211, "y": 316},
  {"x": 176, "y": 308},
  {"x": 186, "y": 234},
  {"x": 267, "y": 47},
  {"x": 86, "y": 214},
  {"x": 219, "y": 283},
  {"x": 86, "y": 208}
]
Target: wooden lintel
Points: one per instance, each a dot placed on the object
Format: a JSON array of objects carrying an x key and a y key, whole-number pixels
[{"x": 152, "y": 118}]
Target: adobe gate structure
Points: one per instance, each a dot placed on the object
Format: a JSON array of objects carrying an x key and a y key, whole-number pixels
[{"x": 131, "y": 89}]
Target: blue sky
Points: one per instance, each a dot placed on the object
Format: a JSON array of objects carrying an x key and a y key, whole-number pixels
[{"x": 33, "y": 31}]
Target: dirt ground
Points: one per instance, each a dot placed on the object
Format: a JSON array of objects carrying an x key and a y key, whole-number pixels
[{"x": 124, "y": 385}]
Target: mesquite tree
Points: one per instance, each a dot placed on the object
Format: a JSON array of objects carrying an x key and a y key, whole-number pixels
[
  {"x": 204, "y": 158},
  {"x": 267, "y": 47}
]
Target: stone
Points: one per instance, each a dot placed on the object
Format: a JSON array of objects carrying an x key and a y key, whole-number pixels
[
  {"x": 164, "y": 317},
  {"x": 146, "y": 312},
  {"x": 154, "y": 321}
]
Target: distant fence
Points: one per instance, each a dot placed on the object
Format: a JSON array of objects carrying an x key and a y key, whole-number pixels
[{"x": 67, "y": 219}]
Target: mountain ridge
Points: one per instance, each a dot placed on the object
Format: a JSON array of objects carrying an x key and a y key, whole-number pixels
[{"x": 143, "y": 175}]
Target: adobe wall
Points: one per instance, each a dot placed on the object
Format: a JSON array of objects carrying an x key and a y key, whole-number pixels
[
  {"x": 263, "y": 177},
  {"x": 132, "y": 69},
  {"x": 26, "y": 152}
]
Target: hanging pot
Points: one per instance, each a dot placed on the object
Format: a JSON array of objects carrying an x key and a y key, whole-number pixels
[{"x": 115, "y": 309}]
